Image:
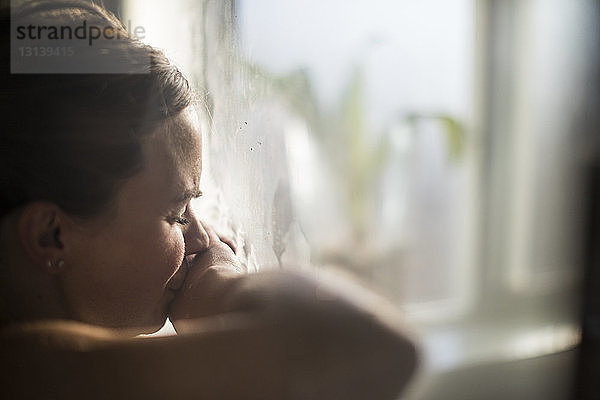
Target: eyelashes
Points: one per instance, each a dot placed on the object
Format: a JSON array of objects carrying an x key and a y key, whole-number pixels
[
  {"x": 182, "y": 220},
  {"x": 178, "y": 220}
]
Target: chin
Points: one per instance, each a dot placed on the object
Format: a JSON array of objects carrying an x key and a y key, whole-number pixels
[
  {"x": 154, "y": 323},
  {"x": 142, "y": 324}
]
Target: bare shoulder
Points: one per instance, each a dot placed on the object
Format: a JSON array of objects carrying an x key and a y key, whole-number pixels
[
  {"x": 45, "y": 359},
  {"x": 70, "y": 360},
  {"x": 54, "y": 335}
]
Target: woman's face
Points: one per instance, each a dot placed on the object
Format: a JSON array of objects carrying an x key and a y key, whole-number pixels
[{"x": 121, "y": 269}]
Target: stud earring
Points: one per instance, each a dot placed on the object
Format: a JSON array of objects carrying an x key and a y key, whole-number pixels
[{"x": 56, "y": 265}]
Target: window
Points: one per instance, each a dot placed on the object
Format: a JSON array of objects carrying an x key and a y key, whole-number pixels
[{"x": 430, "y": 147}]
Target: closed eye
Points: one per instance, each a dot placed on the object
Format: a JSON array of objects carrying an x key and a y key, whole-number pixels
[
  {"x": 182, "y": 221},
  {"x": 179, "y": 219},
  {"x": 184, "y": 202}
]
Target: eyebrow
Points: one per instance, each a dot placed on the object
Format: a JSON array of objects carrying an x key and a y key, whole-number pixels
[{"x": 188, "y": 194}]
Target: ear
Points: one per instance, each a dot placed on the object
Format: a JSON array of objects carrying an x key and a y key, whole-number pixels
[{"x": 39, "y": 230}]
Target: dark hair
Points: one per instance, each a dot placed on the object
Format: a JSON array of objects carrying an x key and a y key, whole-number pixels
[{"x": 72, "y": 138}]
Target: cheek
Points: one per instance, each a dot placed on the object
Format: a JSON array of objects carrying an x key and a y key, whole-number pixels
[
  {"x": 173, "y": 251},
  {"x": 163, "y": 255}
]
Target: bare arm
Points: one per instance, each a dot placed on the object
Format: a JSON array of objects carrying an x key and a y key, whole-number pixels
[
  {"x": 335, "y": 340},
  {"x": 233, "y": 356}
]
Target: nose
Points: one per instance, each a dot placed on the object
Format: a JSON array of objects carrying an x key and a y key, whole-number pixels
[{"x": 195, "y": 237}]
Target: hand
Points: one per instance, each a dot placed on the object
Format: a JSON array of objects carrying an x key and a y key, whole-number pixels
[{"x": 210, "y": 277}]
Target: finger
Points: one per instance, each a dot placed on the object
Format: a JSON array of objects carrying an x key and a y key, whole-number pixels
[{"x": 215, "y": 237}]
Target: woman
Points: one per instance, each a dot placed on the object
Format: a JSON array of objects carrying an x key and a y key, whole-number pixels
[{"x": 99, "y": 243}]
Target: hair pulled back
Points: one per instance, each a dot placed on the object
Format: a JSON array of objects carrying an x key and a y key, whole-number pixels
[{"x": 72, "y": 138}]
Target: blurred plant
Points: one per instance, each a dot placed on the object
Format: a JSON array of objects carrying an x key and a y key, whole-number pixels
[
  {"x": 356, "y": 154},
  {"x": 453, "y": 131},
  {"x": 344, "y": 139},
  {"x": 281, "y": 219}
]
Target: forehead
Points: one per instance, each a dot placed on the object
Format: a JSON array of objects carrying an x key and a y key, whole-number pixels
[{"x": 174, "y": 152}]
